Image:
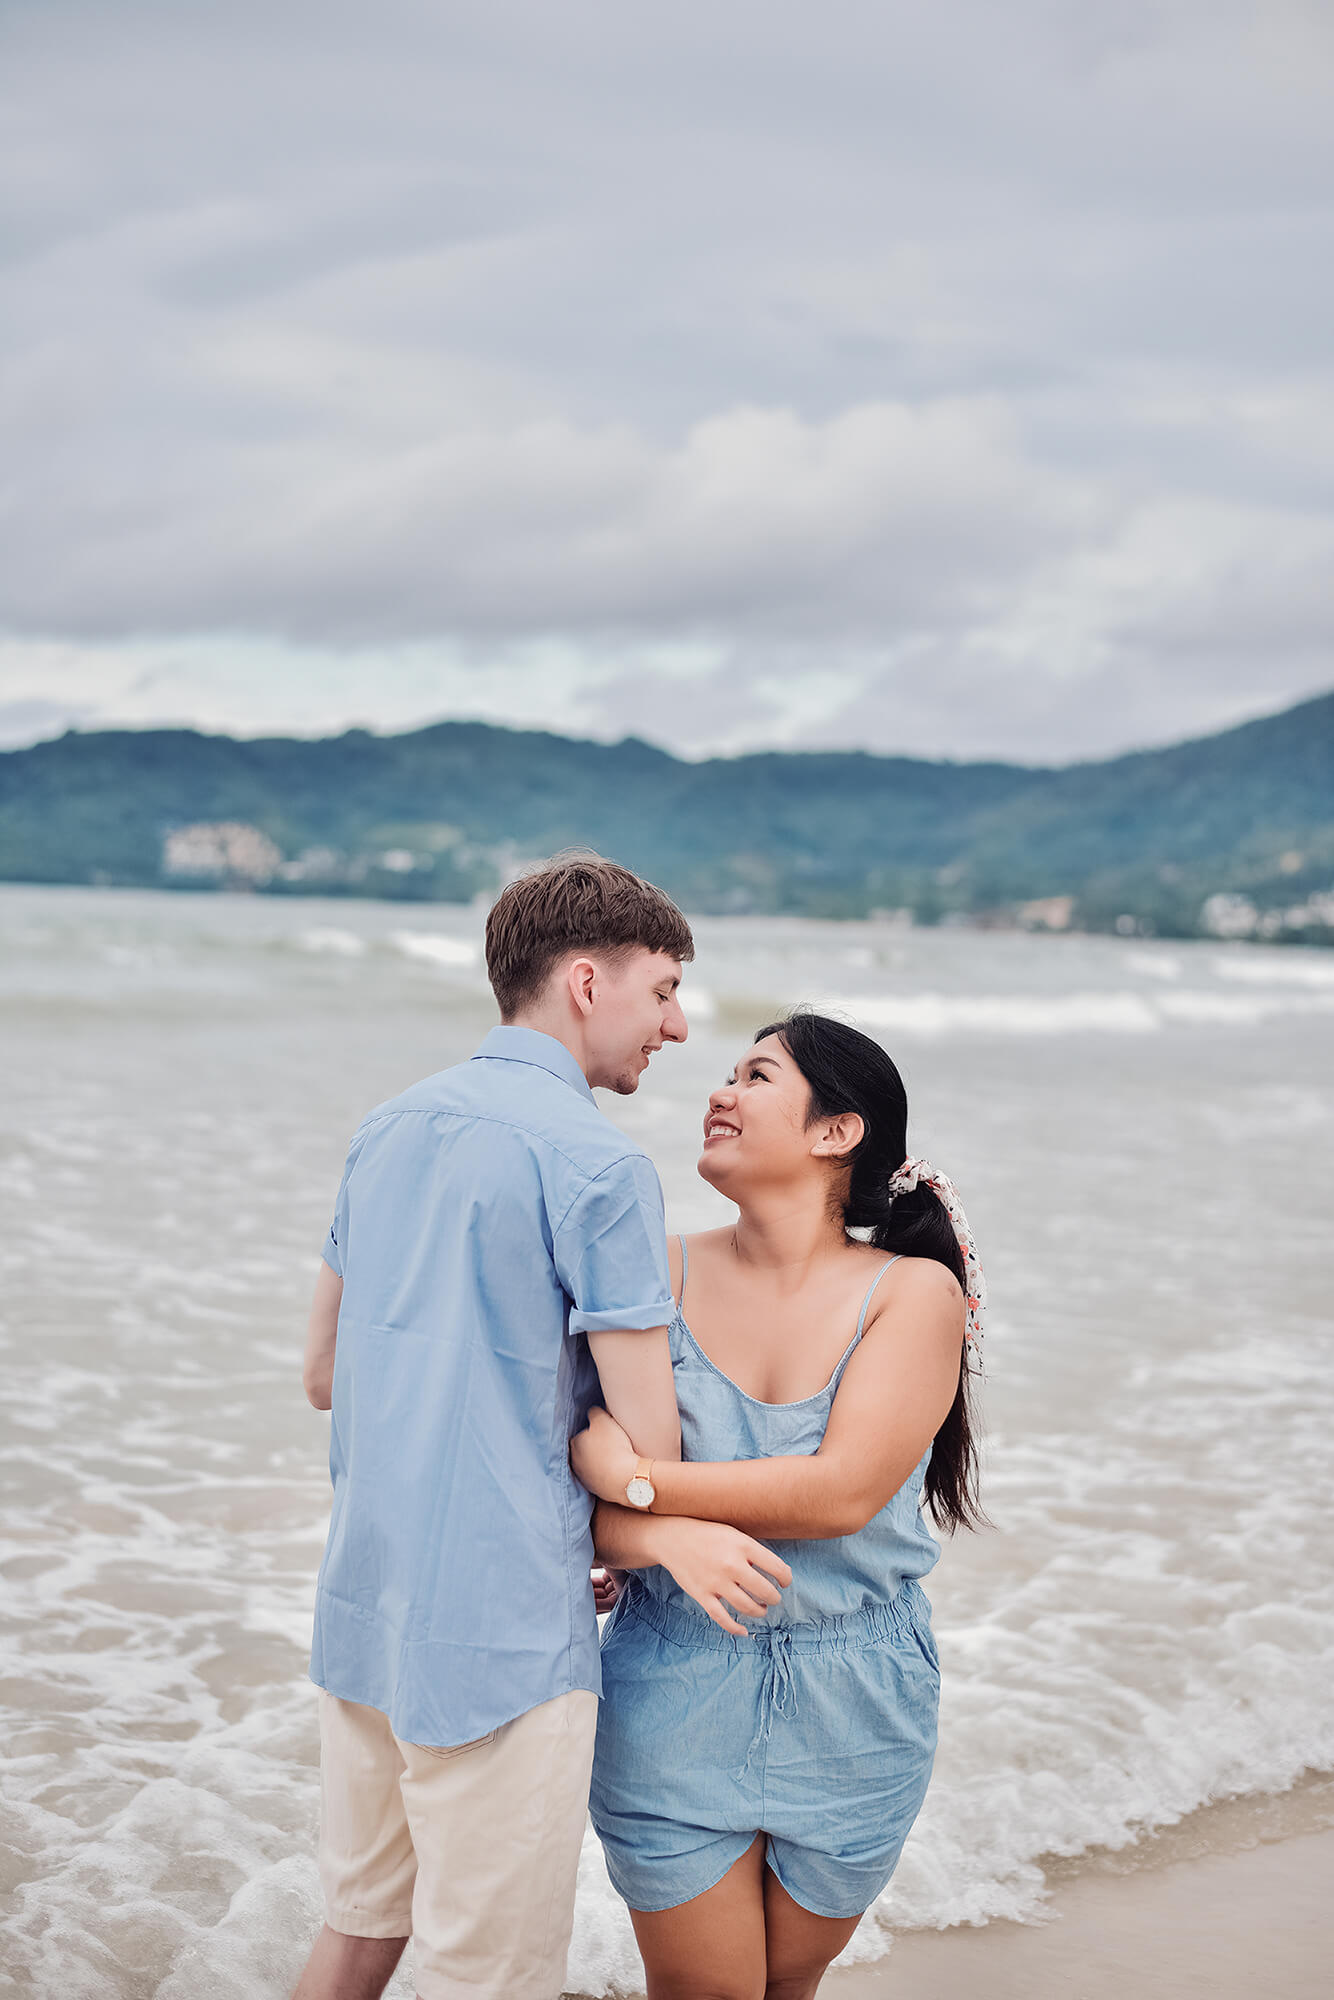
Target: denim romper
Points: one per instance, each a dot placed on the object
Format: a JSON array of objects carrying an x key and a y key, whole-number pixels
[{"x": 818, "y": 1728}]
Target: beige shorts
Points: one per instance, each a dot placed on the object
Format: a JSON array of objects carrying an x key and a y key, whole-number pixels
[{"x": 473, "y": 1851}]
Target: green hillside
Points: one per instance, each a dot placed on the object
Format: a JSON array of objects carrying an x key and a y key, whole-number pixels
[{"x": 443, "y": 813}]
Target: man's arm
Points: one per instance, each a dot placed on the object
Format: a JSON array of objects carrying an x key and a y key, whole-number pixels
[
  {"x": 635, "y": 1370},
  {"x": 609, "y": 1253},
  {"x": 321, "y": 1339},
  {"x": 895, "y": 1394}
]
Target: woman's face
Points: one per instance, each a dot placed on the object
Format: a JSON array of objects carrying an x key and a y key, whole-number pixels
[{"x": 755, "y": 1127}]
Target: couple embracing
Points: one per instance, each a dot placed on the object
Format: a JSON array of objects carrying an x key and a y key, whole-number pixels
[{"x": 739, "y": 1427}]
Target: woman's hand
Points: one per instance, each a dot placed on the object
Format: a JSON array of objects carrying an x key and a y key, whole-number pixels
[
  {"x": 722, "y": 1569},
  {"x": 603, "y": 1457}
]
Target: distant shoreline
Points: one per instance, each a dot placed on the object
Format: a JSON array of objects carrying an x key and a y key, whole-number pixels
[
  {"x": 1230, "y": 836},
  {"x": 992, "y": 922}
]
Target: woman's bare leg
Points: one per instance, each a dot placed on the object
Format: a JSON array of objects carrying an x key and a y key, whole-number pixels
[
  {"x": 798, "y": 1944},
  {"x": 711, "y": 1948}
]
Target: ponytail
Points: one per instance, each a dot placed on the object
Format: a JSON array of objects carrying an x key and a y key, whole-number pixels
[{"x": 918, "y": 1225}]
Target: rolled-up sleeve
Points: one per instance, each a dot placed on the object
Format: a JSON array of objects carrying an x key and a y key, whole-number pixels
[
  {"x": 610, "y": 1251},
  {"x": 331, "y": 1253},
  {"x": 335, "y": 1243}
]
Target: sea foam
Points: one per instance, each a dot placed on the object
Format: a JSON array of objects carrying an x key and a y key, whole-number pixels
[{"x": 434, "y": 948}]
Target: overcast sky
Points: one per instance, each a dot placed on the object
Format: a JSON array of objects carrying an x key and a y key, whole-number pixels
[{"x": 950, "y": 379}]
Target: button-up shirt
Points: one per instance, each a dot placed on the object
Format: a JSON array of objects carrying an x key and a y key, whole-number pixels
[{"x": 487, "y": 1221}]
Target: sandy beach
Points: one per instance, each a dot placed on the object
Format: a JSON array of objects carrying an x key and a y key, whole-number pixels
[
  {"x": 1233, "y": 1927},
  {"x": 1234, "y": 1903}
]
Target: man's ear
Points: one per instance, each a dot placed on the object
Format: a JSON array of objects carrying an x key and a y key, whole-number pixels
[
  {"x": 581, "y": 977},
  {"x": 839, "y": 1136}
]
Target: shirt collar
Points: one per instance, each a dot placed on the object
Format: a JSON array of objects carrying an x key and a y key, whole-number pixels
[{"x": 530, "y": 1045}]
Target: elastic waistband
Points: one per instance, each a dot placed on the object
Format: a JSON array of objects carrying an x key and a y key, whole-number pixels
[{"x": 897, "y": 1618}]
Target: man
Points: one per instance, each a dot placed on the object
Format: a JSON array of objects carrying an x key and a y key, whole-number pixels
[{"x": 497, "y": 1249}]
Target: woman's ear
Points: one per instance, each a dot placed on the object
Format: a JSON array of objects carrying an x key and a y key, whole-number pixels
[{"x": 836, "y": 1137}]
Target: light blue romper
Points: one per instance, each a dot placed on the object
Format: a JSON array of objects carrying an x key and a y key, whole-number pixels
[{"x": 817, "y": 1729}]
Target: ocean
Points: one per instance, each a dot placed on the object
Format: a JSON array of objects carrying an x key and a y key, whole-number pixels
[{"x": 1143, "y": 1136}]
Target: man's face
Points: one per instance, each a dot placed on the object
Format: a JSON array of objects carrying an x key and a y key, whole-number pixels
[{"x": 635, "y": 1010}]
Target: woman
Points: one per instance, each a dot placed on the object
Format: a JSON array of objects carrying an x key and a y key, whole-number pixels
[{"x": 753, "y": 1784}]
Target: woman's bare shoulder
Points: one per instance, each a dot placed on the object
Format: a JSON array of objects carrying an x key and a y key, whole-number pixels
[
  {"x": 701, "y": 1246},
  {"x": 922, "y": 1283},
  {"x": 708, "y": 1242}
]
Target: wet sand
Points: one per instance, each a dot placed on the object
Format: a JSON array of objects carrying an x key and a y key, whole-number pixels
[
  {"x": 1233, "y": 1902},
  {"x": 1254, "y": 1925}
]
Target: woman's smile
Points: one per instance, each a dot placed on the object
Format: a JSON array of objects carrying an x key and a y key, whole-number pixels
[{"x": 718, "y": 1127}]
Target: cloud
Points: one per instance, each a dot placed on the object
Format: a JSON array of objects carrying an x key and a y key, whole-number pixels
[
  {"x": 755, "y": 519},
  {"x": 914, "y": 378}
]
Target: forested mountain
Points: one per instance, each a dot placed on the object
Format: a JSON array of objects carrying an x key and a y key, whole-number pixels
[{"x": 445, "y": 812}]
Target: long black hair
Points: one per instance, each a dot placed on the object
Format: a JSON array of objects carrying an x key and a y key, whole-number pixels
[{"x": 847, "y": 1071}]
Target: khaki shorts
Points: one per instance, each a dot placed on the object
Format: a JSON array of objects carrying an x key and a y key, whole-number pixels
[{"x": 473, "y": 1851}]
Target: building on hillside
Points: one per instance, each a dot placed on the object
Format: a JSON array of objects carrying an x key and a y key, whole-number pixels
[{"x": 226, "y": 852}]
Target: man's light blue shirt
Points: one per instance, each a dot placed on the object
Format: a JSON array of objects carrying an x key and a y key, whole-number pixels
[{"x": 487, "y": 1221}]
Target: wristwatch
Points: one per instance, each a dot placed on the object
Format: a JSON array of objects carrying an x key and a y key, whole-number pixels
[{"x": 640, "y": 1492}]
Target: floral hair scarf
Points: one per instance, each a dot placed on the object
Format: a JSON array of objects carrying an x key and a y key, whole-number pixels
[{"x": 921, "y": 1173}]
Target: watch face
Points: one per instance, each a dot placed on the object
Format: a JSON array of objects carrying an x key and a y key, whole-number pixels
[{"x": 640, "y": 1493}]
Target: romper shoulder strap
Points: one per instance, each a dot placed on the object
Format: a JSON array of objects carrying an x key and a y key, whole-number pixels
[
  {"x": 866, "y": 1302},
  {"x": 852, "y": 1345},
  {"x": 685, "y": 1267}
]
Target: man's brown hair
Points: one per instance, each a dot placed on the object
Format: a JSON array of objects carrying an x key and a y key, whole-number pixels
[{"x": 576, "y": 902}]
